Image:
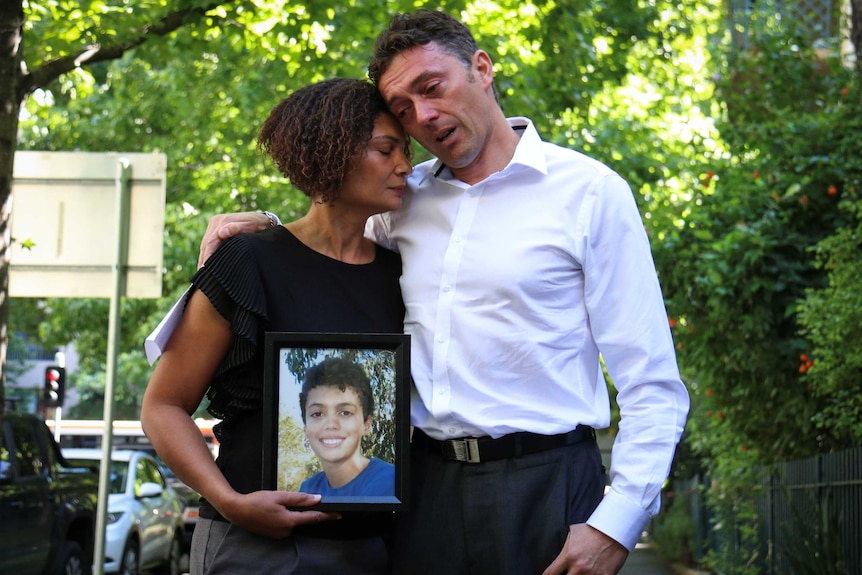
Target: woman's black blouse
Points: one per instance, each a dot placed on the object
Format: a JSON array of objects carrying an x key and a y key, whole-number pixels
[{"x": 271, "y": 281}]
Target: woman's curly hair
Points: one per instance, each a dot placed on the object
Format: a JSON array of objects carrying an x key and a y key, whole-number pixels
[{"x": 318, "y": 133}]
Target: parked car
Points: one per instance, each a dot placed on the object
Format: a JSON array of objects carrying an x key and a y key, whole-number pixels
[
  {"x": 47, "y": 507},
  {"x": 190, "y": 498},
  {"x": 145, "y": 514},
  {"x": 128, "y": 434}
]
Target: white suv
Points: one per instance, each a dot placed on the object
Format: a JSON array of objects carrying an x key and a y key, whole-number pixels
[{"x": 145, "y": 514}]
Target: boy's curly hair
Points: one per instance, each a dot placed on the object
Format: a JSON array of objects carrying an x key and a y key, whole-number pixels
[
  {"x": 340, "y": 373},
  {"x": 318, "y": 133}
]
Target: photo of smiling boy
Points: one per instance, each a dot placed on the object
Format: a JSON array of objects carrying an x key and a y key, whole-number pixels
[{"x": 337, "y": 406}]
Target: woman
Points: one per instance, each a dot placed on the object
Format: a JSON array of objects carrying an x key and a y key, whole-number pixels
[
  {"x": 337, "y": 142},
  {"x": 337, "y": 408}
]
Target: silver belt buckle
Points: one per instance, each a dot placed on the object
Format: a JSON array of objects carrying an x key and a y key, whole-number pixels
[{"x": 466, "y": 449}]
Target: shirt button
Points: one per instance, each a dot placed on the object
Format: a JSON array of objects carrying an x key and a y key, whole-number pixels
[
  {"x": 452, "y": 430},
  {"x": 446, "y": 288}
]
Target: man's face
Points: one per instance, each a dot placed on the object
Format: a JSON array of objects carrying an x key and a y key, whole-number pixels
[{"x": 441, "y": 102}]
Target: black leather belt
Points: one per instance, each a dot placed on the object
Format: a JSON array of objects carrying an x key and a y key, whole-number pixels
[{"x": 478, "y": 449}]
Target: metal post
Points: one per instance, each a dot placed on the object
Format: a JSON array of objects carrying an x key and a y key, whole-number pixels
[
  {"x": 60, "y": 360},
  {"x": 119, "y": 277}
]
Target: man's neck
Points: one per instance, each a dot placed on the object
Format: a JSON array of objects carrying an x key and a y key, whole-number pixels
[{"x": 496, "y": 154}]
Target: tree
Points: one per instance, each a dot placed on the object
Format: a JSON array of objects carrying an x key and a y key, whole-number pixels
[
  {"x": 760, "y": 274},
  {"x": 856, "y": 33},
  {"x": 99, "y": 37},
  {"x": 199, "y": 94},
  {"x": 830, "y": 317},
  {"x": 757, "y": 211}
]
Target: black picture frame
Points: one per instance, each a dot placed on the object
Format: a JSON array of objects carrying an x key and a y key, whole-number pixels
[{"x": 288, "y": 459}]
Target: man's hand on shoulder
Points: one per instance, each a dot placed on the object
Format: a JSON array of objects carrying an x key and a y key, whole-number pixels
[
  {"x": 223, "y": 226},
  {"x": 588, "y": 551}
]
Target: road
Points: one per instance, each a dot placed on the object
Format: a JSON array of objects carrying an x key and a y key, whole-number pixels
[{"x": 644, "y": 561}]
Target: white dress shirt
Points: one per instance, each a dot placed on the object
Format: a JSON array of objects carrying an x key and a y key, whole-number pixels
[{"x": 513, "y": 287}]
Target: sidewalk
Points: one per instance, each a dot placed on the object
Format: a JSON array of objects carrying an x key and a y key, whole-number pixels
[{"x": 644, "y": 561}]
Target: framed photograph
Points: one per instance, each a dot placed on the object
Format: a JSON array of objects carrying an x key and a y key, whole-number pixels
[{"x": 337, "y": 418}]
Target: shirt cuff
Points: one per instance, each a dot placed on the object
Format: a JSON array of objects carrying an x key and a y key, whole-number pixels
[{"x": 620, "y": 519}]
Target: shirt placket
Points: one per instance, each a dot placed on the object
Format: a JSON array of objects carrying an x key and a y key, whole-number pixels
[{"x": 452, "y": 258}]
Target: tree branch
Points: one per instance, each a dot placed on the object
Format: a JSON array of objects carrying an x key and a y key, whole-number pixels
[{"x": 53, "y": 69}]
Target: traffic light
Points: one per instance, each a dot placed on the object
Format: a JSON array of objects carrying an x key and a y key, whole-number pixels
[{"x": 55, "y": 386}]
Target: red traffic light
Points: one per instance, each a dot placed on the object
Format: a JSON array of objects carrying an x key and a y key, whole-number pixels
[{"x": 54, "y": 387}]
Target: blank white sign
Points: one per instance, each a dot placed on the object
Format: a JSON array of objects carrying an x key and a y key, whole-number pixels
[{"x": 65, "y": 203}]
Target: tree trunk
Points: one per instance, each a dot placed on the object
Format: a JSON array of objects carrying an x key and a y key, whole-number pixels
[
  {"x": 11, "y": 33},
  {"x": 16, "y": 84}
]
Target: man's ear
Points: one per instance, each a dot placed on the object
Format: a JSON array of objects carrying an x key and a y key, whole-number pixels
[
  {"x": 484, "y": 68},
  {"x": 368, "y": 421}
]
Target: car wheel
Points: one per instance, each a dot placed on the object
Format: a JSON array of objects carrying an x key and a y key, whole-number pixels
[
  {"x": 71, "y": 560},
  {"x": 172, "y": 565},
  {"x": 130, "y": 564}
]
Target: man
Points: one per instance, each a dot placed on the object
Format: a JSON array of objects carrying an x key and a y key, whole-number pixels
[{"x": 522, "y": 262}]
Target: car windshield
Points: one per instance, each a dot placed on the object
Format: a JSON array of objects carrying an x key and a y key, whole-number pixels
[
  {"x": 118, "y": 476},
  {"x": 119, "y": 471}
]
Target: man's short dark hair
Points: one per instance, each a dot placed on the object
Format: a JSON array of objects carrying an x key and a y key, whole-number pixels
[{"x": 418, "y": 29}]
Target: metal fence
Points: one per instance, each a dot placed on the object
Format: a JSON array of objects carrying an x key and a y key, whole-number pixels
[
  {"x": 821, "y": 19},
  {"x": 813, "y": 506},
  {"x": 810, "y": 509}
]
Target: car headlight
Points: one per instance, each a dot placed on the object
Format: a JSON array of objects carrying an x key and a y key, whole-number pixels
[{"x": 114, "y": 516}]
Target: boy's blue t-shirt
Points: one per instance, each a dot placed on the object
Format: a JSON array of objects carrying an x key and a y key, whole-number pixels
[{"x": 377, "y": 479}]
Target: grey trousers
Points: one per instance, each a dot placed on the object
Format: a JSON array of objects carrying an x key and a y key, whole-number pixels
[
  {"x": 505, "y": 517},
  {"x": 219, "y": 548}
]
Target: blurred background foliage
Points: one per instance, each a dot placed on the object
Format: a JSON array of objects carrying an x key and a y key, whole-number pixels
[
  {"x": 743, "y": 156},
  {"x": 595, "y": 76}
]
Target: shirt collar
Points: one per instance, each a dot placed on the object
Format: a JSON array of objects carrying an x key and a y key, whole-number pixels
[{"x": 528, "y": 152}]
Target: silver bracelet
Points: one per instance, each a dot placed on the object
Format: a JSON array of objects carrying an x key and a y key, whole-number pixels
[{"x": 273, "y": 219}]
